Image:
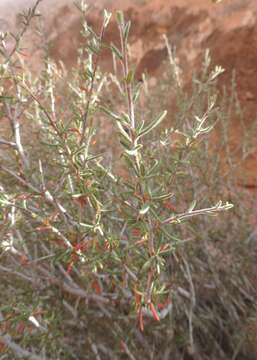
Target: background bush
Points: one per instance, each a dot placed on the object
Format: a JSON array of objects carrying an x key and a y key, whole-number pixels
[{"x": 110, "y": 247}]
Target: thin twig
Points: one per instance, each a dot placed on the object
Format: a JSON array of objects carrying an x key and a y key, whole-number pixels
[
  {"x": 8, "y": 143},
  {"x": 128, "y": 86},
  {"x": 18, "y": 37},
  {"x": 217, "y": 208},
  {"x": 17, "y": 349},
  {"x": 90, "y": 94},
  {"x": 14, "y": 121}
]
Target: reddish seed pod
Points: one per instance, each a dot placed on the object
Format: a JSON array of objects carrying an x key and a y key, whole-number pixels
[
  {"x": 138, "y": 297},
  {"x": 69, "y": 268},
  {"x": 154, "y": 312},
  {"x": 122, "y": 346},
  {"x": 97, "y": 287},
  {"x": 140, "y": 319},
  {"x": 136, "y": 232},
  {"x": 20, "y": 328}
]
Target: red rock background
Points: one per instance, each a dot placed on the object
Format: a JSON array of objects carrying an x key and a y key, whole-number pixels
[{"x": 228, "y": 29}]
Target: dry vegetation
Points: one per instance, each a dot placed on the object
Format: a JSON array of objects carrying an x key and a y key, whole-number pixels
[{"x": 121, "y": 248}]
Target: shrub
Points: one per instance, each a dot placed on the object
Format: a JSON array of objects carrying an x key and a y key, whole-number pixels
[{"x": 111, "y": 253}]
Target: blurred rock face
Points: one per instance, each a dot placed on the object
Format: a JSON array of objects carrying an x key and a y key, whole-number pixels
[{"x": 228, "y": 29}]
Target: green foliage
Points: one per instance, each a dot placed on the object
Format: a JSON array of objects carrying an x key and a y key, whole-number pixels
[{"x": 97, "y": 246}]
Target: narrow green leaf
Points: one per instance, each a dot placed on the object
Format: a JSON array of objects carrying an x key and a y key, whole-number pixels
[
  {"x": 125, "y": 143},
  {"x": 120, "y": 17},
  {"x": 163, "y": 197},
  {"x": 93, "y": 49},
  {"x": 140, "y": 127},
  {"x": 192, "y": 206},
  {"x": 137, "y": 91},
  {"x": 91, "y": 31},
  {"x": 123, "y": 131},
  {"x": 131, "y": 164},
  {"x": 147, "y": 265},
  {"x": 110, "y": 113},
  {"x": 151, "y": 170},
  {"x": 107, "y": 17},
  {"x": 3, "y": 97},
  {"x": 133, "y": 152},
  {"x": 130, "y": 77},
  {"x": 152, "y": 125},
  {"x": 144, "y": 209},
  {"x": 116, "y": 51},
  {"x": 126, "y": 31}
]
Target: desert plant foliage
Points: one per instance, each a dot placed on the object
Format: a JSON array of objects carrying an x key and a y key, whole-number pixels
[{"x": 115, "y": 251}]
